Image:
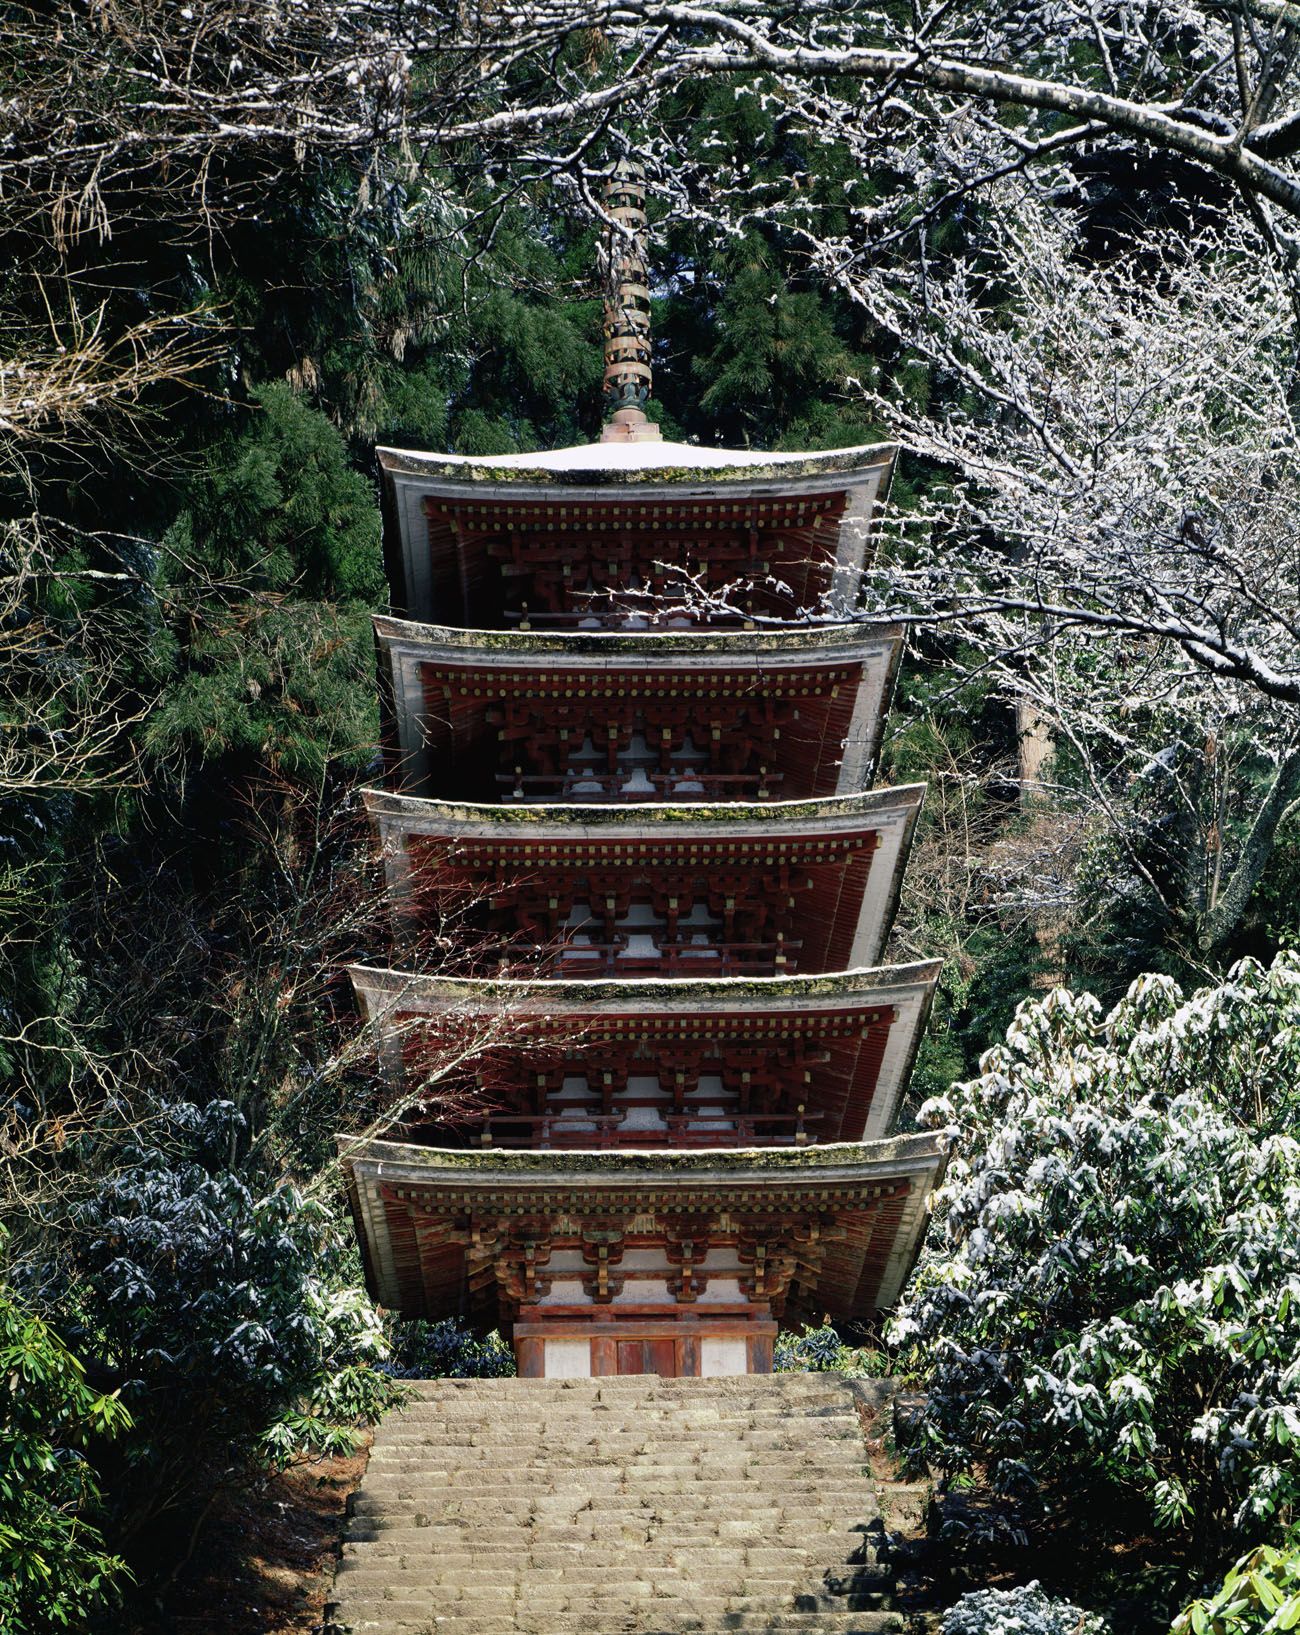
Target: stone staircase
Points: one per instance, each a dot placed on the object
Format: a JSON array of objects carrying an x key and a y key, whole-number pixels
[{"x": 627, "y": 1506}]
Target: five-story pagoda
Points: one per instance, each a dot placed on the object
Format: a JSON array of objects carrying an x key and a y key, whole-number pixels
[{"x": 633, "y": 766}]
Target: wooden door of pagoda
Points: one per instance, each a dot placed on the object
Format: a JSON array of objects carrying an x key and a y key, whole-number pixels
[{"x": 648, "y": 1357}]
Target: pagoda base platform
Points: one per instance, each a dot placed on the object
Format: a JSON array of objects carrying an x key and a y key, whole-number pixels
[{"x": 665, "y": 1343}]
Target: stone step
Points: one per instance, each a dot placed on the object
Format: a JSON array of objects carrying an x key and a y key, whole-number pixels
[
  {"x": 684, "y": 1577},
  {"x": 828, "y": 1543},
  {"x": 394, "y": 1535},
  {"x": 632, "y": 1506},
  {"x": 844, "y": 1569},
  {"x": 648, "y": 1438},
  {"x": 629, "y": 1492},
  {"x": 592, "y": 1428},
  {"x": 664, "y": 1518},
  {"x": 628, "y": 1485},
  {"x": 668, "y": 1439},
  {"x": 436, "y": 1499},
  {"x": 718, "y": 1602},
  {"x": 377, "y": 1620},
  {"x": 613, "y": 1418},
  {"x": 494, "y": 1466}
]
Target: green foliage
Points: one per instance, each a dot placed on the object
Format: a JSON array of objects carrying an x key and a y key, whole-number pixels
[
  {"x": 1260, "y": 1595},
  {"x": 221, "y": 1313},
  {"x": 270, "y": 571},
  {"x": 777, "y": 371},
  {"x": 1274, "y": 911},
  {"x": 1106, "y": 1312},
  {"x": 287, "y": 687},
  {"x": 55, "y": 1570},
  {"x": 445, "y": 1350},
  {"x": 536, "y": 370},
  {"x": 822, "y": 1351},
  {"x": 278, "y": 508}
]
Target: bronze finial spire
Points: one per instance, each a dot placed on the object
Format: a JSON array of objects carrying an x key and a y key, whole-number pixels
[{"x": 627, "y": 311}]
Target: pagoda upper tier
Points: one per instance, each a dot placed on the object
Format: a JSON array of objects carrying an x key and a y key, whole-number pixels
[
  {"x": 643, "y": 716},
  {"x": 694, "y": 890},
  {"x": 788, "y": 1061},
  {"x": 586, "y": 537}
]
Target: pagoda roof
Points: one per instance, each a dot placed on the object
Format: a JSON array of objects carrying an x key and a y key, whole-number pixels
[
  {"x": 827, "y": 816},
  {"x": 866, "y": 837},
  {"x": 445, "y": 509},
  {"x": 870, "y": 986},
  {"x": 847, "y": 671},
  {"x": 833, "y": 641},
  {"x": 395, "y": 1186},
  {"x": 907, "y": 990},
  {"x": 869, "y": 1084},
  {"x": 681, "y": 465}
]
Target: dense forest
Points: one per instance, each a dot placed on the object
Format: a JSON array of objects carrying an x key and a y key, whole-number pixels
[{"x": 1054, "y": 252}]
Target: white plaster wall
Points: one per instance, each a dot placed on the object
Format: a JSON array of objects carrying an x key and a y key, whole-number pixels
[
  {"x": 721, "y": 1356},
  {"x": 564, "y": 1292},
  {"x": 641, "y": 1290},
  {"x": 566, "y": 1359}
]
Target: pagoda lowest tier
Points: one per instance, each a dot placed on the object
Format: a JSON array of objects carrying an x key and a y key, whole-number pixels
[
  {"x": 676, "y": 1262},
  {"x": 666, "y": 891},
  {"x": 587, "y": 536},
  {"x": 641, "y": 716},
  {"x": 788, "y": 1061}
]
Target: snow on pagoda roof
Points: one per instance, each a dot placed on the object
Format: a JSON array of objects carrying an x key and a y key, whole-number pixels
[
  {"x": 831, "y": 640},
  {"x": 635, "y": 462}
]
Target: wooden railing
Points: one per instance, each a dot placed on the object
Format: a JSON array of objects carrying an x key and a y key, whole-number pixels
[
  {"x": 602, "y": 1130},
  {"x": 661, "y": 616},
  {"x": 684, "y": 783},
  {"x": 678, "y": 959}
]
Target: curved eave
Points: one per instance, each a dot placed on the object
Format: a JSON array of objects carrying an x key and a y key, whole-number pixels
[
  {"x": 383, "y": 988},
  {"x": 448, "y": 644},
  {"x": 417, "y": 814},
  {"x": 404, "y": 1163},
  {"x": 390, "y": 1182},
  {"x": 881, "y": 820},
  {"x": 855, "y": 661},
  {"x": 676, "y": 471}
]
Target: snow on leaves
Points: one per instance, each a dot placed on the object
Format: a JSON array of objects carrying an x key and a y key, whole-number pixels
[
  {"x": 1108, "y": 1305},
  {"x": 1027, "y": 1610}
]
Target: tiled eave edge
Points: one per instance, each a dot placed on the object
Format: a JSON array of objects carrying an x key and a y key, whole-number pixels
[
  {"x": 877, "y": 985},
  {"x": 384, "y": 995},
  {"x": 420, "y": 814},
  {"x": 848, "y": 1176},
  {"x": 836, "y": 642},
  {"x": 792, "y": 473},
  {"x": 401, "y": 1163}
]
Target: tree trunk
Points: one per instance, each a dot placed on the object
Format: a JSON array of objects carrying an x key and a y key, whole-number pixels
[{"x": 1223, "y": 915}]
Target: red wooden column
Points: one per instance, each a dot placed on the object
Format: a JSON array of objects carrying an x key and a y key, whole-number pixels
[{"x": 530, "y": 1358}]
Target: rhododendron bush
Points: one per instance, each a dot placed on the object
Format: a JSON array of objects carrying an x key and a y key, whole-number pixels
[
  {"x": 1108, "y": 1311},
  {"x": 1023, "y": 1611}
]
